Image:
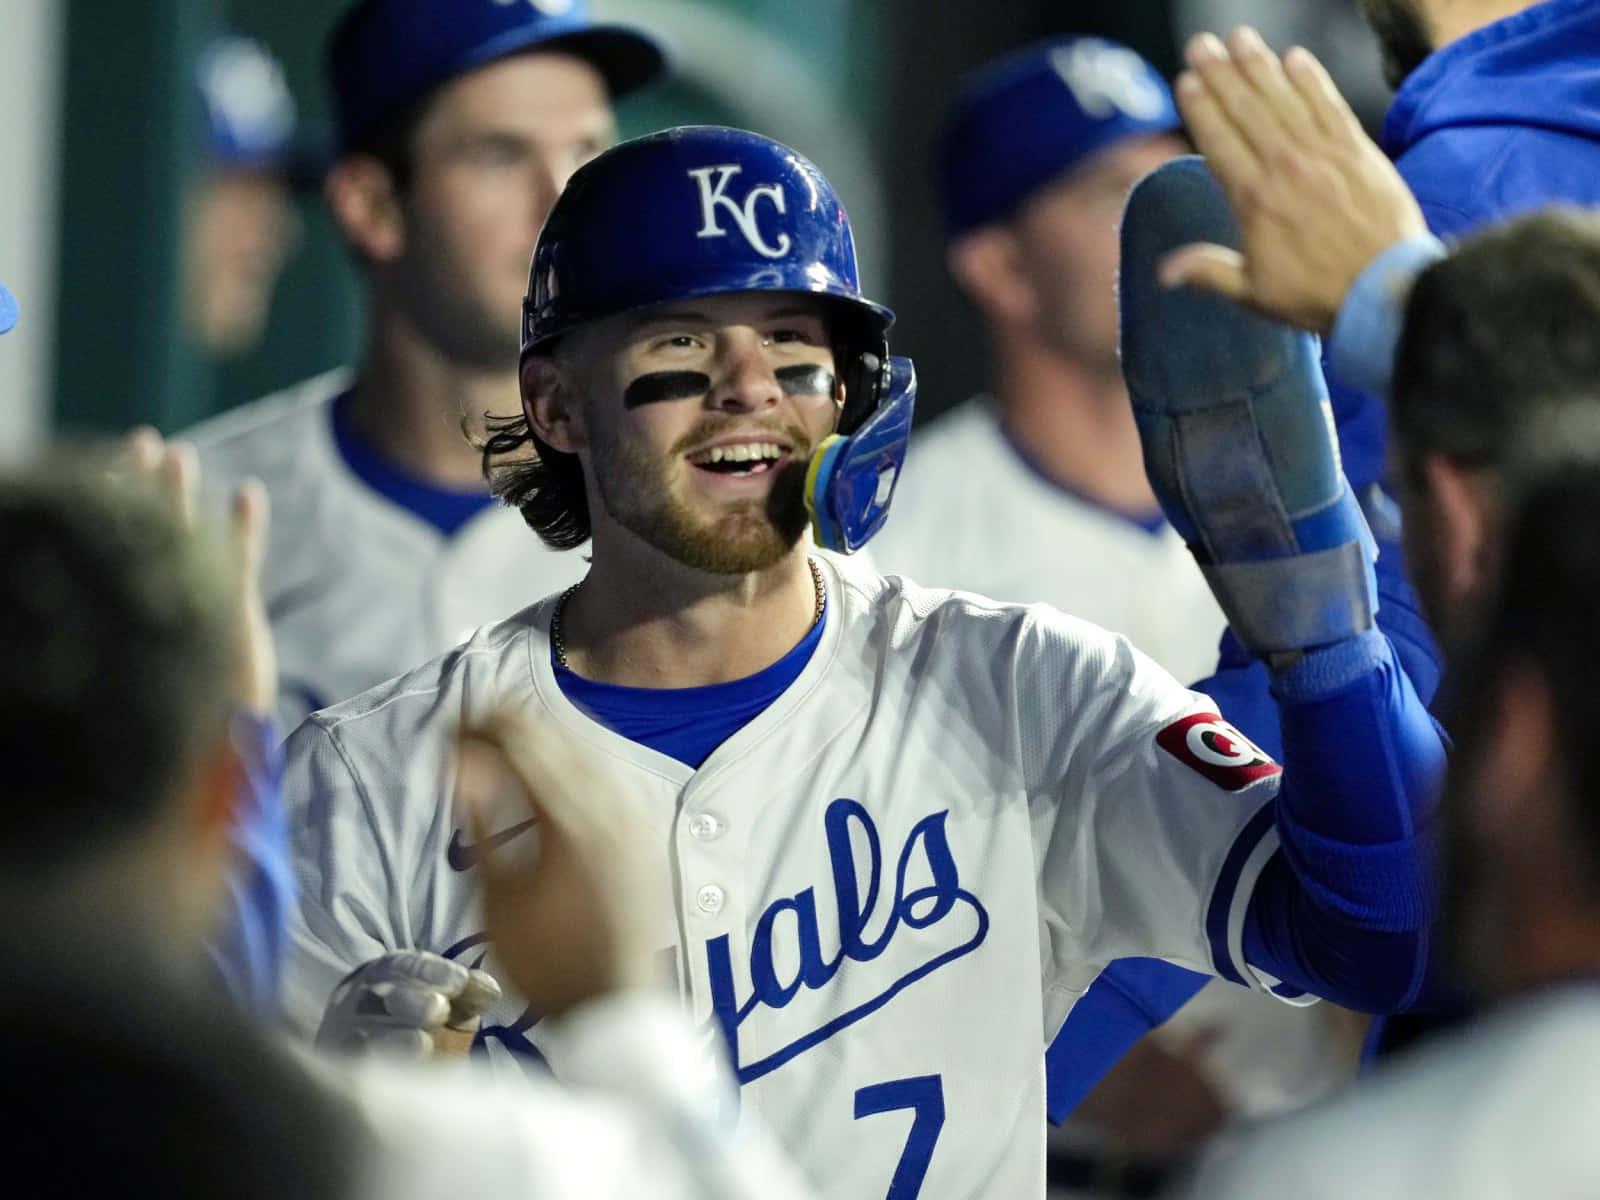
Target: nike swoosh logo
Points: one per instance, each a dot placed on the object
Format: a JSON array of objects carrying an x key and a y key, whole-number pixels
[{"x": 463, "y": 857}]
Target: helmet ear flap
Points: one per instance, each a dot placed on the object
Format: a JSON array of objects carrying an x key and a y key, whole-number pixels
[{"x": 866, "y": 383}]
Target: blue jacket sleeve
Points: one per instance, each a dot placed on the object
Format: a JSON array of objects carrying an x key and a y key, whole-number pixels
[
  {"x": 248, "y": 947},
  {"x": 1342, "y": 911},
  {"x": 1126, "y": 1001}
]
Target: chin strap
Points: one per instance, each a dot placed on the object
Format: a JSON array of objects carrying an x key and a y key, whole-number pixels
[{"x": 851, "y": 479}]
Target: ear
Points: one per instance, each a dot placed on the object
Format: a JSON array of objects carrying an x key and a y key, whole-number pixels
[
  {"x": 362, "y": 196},
  {"x": 1464, "y": 526},
  {"x": 987, "y": 265},
  {"x": 550, "y": 403}
]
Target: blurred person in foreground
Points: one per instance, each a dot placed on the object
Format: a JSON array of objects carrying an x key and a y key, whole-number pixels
[
  {"x": 1035, "y": 164},
  {"x": 240, "y": 225},
  {"x": 129, "y": 639},
  {"x": 458, "y": 125},
  {"x": 1503, "y": 1106}
]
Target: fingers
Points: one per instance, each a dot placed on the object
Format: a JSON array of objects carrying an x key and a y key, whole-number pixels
[
  {"x": 178, "y": 479},
  {"x": 478, "y": 996},
  {"x": 1276, "y": 98},
  {"x": 1234, "y": 94},
  {"x": 1328, "y": 109},
  {"x": 404, "y": 1001},
  {"x": 249, "y": 516},
  {"x": 1231, "y": 159},
  {"x": 142, "y": 449},
  {"x": 1210, "y": 268}
]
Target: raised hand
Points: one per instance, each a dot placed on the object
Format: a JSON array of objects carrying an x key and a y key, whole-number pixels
[{"x": 1315, "y": 199}]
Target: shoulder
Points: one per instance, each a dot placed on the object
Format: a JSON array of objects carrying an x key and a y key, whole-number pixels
[
  {"x": 411, "y": 715},
  {"x": 1468, "y": 176},
  {"x": 1029, "y": 652},
  {"x": 266, "y": 436}
]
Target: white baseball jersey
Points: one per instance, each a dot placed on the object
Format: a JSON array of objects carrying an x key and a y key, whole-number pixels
[
  {"x": 1503, "y": 1108},
  {"x": 357, "y": 588},
  {"x": 888, "y": 889},
  {"x": 970, "y": 513}
]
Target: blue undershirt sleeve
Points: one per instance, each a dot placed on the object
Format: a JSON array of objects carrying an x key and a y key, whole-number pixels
[
  {"x": 1126, "y": 1001},
  {"x": 1342, "y": 910}
]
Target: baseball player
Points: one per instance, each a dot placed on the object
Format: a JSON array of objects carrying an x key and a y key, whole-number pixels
[
  {"x": 458, "y": 124},
  {"x": 905, "y": 828},
  {"x": 240, "y": 225},
  {"x": 1034, "y": 165}
]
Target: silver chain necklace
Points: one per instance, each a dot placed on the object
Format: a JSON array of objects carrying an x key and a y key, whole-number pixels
[{"x": 558, "y": 645}]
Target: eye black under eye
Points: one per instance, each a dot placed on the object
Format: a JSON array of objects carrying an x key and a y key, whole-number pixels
[{"x": 806, "y": 379}]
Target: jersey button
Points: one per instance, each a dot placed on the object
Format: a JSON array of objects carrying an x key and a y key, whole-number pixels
[
  {"x": 709, "y": 898},
  {"x": 704, "y": 826}
]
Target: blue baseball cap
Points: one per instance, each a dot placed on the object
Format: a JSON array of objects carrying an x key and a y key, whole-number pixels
[
  {"x": 8, "y": 309},
  {"x": 387, "y": 53},
  {"x": 249, "y": 112},
  {"x": 1037, "y": 113}
]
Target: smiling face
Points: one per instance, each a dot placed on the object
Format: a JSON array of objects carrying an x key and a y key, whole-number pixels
[{"x": 695, "y": 423}]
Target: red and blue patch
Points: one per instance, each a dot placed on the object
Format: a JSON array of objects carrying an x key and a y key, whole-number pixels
[{"x": 1208, "y": 744}]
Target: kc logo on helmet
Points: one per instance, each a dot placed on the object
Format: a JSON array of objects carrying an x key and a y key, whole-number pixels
[
  {"x": 1208, "y": 744},
  {"x": 713, "y": 183}
]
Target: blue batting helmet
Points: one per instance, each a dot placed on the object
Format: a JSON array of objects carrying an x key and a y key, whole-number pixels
[{"x": 703, "y": 211}]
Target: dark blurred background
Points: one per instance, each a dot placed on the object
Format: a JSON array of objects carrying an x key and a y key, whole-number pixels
[{"x": 98, "y": 150}]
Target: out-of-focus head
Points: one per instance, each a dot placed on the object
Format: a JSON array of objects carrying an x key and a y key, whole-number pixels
[
  {"x": 692, "y": 289},
  {"x": 116, "y": 660},
  {"x": 1404, "y": 38},
  {"x": 1503, "y": 329},
  {"x": 459, "y": 124},
  {"x": 1034, "y": 165},
  {"x": 1522, "y": 867},
  {"x": 241, "y": 224}
]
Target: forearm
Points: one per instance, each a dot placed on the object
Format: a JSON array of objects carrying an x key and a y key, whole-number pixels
[{"x": 1343, "y": 910}]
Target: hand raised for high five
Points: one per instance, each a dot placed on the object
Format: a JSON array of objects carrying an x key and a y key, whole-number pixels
[
  {"x": 172, "y": 469},
  {"x": 1315, "y": 199}
]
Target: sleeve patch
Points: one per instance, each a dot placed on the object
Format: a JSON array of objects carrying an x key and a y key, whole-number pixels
[{"x": 1206, "y": 743}]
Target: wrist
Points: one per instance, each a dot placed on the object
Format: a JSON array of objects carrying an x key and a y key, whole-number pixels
[{"x": 1366, "y": 329}]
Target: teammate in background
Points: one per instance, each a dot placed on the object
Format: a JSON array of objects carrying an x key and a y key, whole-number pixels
[
  {"x": 1503, "y": 1106},
  {"x": 128, "y": 631},
  {"x": 906, "y": 828},
  {"x": 240, "y": 225},
  {"x": 1034, "y": 164},
  {"x": 458, "y": 126}
]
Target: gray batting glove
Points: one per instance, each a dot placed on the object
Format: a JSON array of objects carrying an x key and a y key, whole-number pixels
[{"x": 404, "y": 1003}]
